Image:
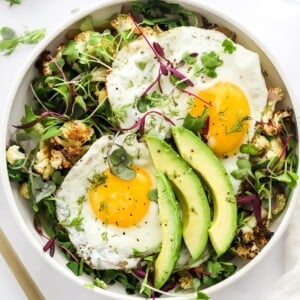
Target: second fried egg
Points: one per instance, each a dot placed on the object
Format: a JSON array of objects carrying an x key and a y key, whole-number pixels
[{"x": 110, "y": 221}]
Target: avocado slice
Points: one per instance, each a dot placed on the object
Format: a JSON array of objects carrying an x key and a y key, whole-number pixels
[
  {"x": 170, "y": 221},
  {"x": 210, "y": 168},
  {"x": 189, "y": 191}
]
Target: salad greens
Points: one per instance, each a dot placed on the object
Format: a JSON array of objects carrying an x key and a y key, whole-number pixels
[{"x": 70, "y": 96}]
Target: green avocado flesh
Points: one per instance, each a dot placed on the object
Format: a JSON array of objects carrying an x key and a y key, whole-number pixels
[
  {"x": 170, "y": 220},
  {"x": 201, "y": 158},
  {"x": 189, "y": 191}
]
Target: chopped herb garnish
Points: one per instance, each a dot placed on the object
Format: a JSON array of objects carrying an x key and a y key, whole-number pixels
[
  {"x": 228, "y": 46},
  {"x": 210, "y": 61},
  {"x": 195, "y": 124},
  {"x": 238, "y": 126},
  {"x": 96, "y": 180}
]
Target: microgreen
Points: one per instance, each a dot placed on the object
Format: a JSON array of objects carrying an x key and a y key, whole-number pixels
[
  {"x": 195, "y": 124},
  {"x": 10, "y": 40},
  {"x": 140, "y": 124},
  {"x": 238, "y": 126},
  {"x": 249, "y": 149},
  {"x": 39, "y": 119},
  {"x": 210, "y": 61},
  {"x": 166, "y": 15},
  {"x": 13, "y": 2},
  {"x": 120, "y": 162},
  {"x": 97, "y": 179},
  {"x": 256, "y": 204},
  {"x": 166, "y": 68},
  {"x": 228, "y": 46}
]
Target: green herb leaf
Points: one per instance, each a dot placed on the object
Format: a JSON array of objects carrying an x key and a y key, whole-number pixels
[
  {"x": 195, "y": 124},
  {"x": 97, "y": 179},
  {"x": 152, "y": 195},
  {"x": 228, "y": 46},
  {"x": 87, "y": 24},
  {"x": 238, "y": 126},
  {"x": 210, "y": 61},
  {"x": 51, "y": 132},
  {"x": 189, "y": 58},
  {"x": 10, "y": 40},
  {"x": 202, "y": 296},
  {"x": 120, "y": 162},
  {"x": 248, "y": 149},
  {"x": 13, "y": 2},
  {"x": 41, "y": 189}
]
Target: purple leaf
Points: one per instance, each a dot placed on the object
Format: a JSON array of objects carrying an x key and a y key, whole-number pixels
[
  {"x": 164, "y": 69},
  {"x": 255, "y": 202},
  {"x": 158, "y": 49}
]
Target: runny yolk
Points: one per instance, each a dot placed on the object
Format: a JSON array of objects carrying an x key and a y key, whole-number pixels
[
  {"x": 229, "y": 116},
  {"x": 121, "y": 202}
]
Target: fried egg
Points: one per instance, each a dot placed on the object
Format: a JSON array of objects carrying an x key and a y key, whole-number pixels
[
  {"x": 234, "y": 99},
  {"x": 111, "y": 221}
]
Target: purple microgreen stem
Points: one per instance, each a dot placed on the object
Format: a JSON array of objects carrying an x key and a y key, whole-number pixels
[
  {"x": 196, "y": 96},
  {"x": 140, "y": 123},
  {"x": 50, "y": 245},
  {"x": 285, "y": 147},
  {"x": 165, "y": 68},
  {"x": 255, "y": 202},
  {"x": 69, "y": 85},
  {"x": 39, "y": 118}
]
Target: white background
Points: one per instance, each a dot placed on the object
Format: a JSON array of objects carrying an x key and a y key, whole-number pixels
[{"x": 275, "y": 22}]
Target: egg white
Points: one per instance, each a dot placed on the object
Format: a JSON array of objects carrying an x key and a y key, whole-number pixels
[
  {"x": 128, "y": 81},
  {"x": 106, "y": 246}
]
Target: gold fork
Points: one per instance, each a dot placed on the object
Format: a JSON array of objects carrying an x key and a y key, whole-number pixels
[{"x": 23, "y": 277}]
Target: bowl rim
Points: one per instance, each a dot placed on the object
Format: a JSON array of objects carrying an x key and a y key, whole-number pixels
[{"x": 83, "y": 12}]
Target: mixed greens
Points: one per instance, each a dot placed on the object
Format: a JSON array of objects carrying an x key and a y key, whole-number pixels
[{"x": 70, "y": 96}]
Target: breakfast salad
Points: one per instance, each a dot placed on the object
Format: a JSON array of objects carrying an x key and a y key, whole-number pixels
[{"x": 154, "y": 154}]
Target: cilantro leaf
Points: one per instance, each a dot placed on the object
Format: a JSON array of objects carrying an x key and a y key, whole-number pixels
[
  {"x": 228, "y": 46},
  {"x": 210, "y": 61}
]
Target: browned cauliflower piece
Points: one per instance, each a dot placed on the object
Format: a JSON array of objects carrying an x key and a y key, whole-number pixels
[
  {"x": 271, "y": 121},
  {"x": 42, "y": 164},
  {"x": 123, "y": 23},
  {"x": 76, "y": 132},
  {"x": 58, "y": 160},
  {"x": 46, "y": 70},
  {"x": 14, "y": 154},
  {"x": 251, "y": 238}
]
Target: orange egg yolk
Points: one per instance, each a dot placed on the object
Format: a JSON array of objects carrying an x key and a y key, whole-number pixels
[
  {"x": 121, "y": 202},
  {"x": 229, "y": 116}
]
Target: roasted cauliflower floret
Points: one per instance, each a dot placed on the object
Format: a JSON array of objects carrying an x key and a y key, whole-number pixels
[
  {"x": 268, "y": 148},
  {"x": 76, "y": 132},
  {"x": 58, "y": 160},
  {"x": 13, "y": 154},
  {"x": 251, "y": 237},
  {"x": 42, "y": 163},
  {"x": 186, "y": 281},
  {"x": 271, "y": 121},
  {"x": 124, "y": 23},
  {"x": 46, "y": 70},
  {"x": 24, "y": 190}
]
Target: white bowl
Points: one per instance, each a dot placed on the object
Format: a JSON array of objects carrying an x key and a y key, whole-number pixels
[{"x": 21, "y": 94}]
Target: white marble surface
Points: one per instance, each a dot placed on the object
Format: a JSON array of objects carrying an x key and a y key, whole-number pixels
[{"x": 275, "y": 22}]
